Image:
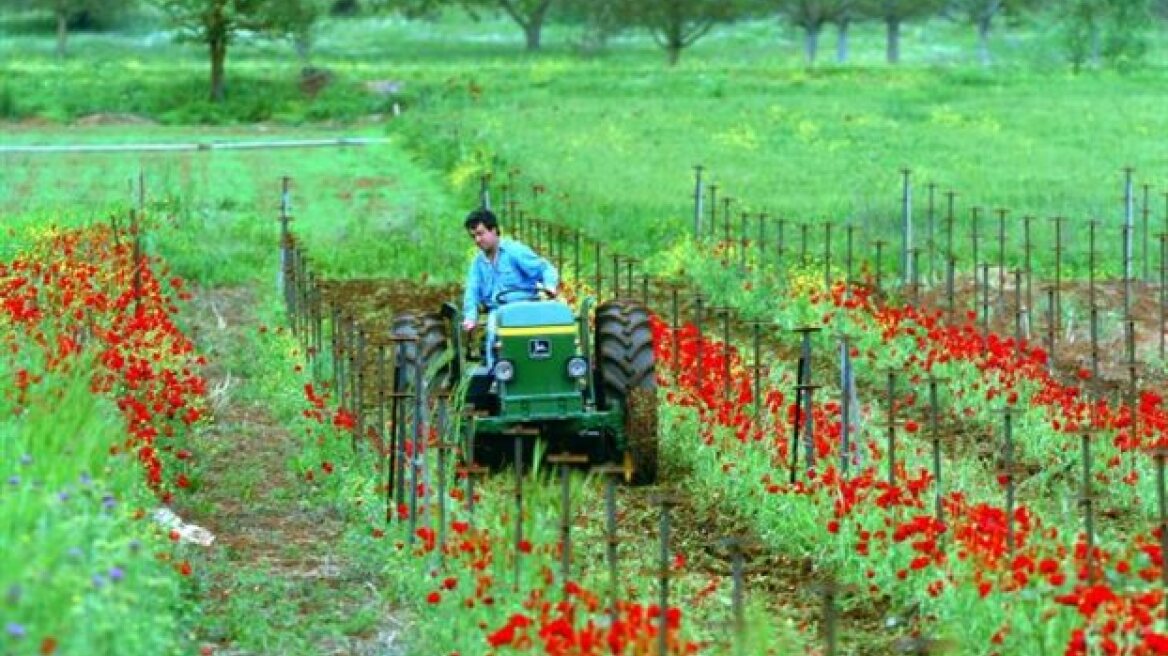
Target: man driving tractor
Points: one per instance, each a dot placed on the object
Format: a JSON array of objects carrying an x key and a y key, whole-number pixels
[{"x": 503, "y": 271}]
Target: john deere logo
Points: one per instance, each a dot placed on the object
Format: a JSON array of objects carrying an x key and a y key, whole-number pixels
[{"x": 539, "y": 349}]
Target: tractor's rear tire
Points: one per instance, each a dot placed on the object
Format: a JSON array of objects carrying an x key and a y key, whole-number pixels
[
  {"x": 627, "y": 380},
  {"x": 409, "y": 358},
  {"x": 430, "y": 332}
]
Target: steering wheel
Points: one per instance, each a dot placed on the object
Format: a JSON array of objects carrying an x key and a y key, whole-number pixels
[{"x": 514, "y": 294}]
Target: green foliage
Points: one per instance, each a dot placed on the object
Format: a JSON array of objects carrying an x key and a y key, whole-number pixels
[
  {"x": 678, "y": 24},
  {"x": 1111, "y": 30},
  {"x": 217, "y": 23}
]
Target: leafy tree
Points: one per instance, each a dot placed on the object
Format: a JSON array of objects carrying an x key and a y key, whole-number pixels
[
  {"x": 598, "y": 19},
  {"x": 67, "y": 13},
  {"x": 846, "y": 13},
  {"x": 1125, "y": 38},
  {"x": 894, "y": 13},
  {"x": 218, "y": 22},
  {"x": 981, "y": 14},
  {"x": 529, "y": 15},
  {"x": 678, "y": 24},
  {"x": 811, "y": 16},
  {"x": 1115, "y": 29}
]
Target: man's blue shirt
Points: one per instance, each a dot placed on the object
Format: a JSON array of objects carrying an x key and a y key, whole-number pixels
[{"x": 515, "y": 267}]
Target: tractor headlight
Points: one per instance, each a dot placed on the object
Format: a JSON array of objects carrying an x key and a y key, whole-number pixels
[
  {"x": 504, "y": 370},
  {"x": 577, "y": 367}
]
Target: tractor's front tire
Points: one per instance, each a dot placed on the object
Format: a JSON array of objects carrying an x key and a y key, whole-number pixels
[{"x": 626, "y": 368}]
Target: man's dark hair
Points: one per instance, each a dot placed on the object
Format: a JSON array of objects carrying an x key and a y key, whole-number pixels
[{"x": 484, "y": 216}]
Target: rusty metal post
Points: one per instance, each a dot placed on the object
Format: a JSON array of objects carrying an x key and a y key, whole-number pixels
[
  {"x": 726, "y": 202},
  {"x": 1028, "y": 261},
  {"x": 803, "y": 390},
  {"x": 950, "y": 217},
  {"x": 616, "y": 288},
  {"x": 713, "y": 221},
  {"x": 756, "y": 368},
  {"x": 610, "y": 473},
  {"x": 599, "y": 276},
  {"x": 443, "y": 448},
  {"x": 827, "y": 257},
  {"x": 1162, "y": 505},
  {"x": 744, "y": 241},
  {"x": 577, "y": 277},
  {"x": 935, "y": 436},
  {"x": 563, "y": 461},
  {"x": 698, "y": 354},
  {"x": 950, "y": 287},
  {"x": 470, "y": 472},
  {"x": 359, "y": 396},
  {"x": 906, "y": 272},
  {"x": 1163, "y": 237},
  {"x": 674, "y": 329},
  {"x": 697, "y": 202},
  {"x": 1001, "y": 212},
  {"x": 665, "y": 503},
  {"x": 1008, "y": 472},
  {"x": 892, "y": 427},
  {"x": 781, "y": 250},
  {"x": 974, "y": 239},
  {"x": 761, "y": 249},
  {"x": 725, "y": 312},
  {"x": 931, "y": 228},
  {"x": 1094, "y": 308},
  {"x": 518, "y": 493},
  {"x": 1058, "y": 270},
  {"x": 1050, "y": 328},
  {"x": 985, "y": 308},
  {"x": 1087, "y": 500},
  {"x": 849, "y": 278},
  {"x": 803, "y": 244}
]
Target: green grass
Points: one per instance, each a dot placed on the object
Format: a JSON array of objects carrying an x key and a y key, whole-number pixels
[
  {"x": 617, "y": 134},
  {"x": 216, "y": 212}
]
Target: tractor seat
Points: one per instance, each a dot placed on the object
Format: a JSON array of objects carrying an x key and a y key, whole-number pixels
[{"x": 523, "y": 314}]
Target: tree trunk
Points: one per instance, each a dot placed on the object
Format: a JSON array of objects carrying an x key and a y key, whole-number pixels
[
  {"x": 532, "y": 32},
  {"x": 983, "y": 41},
  {"x": 673, "y": 53},
  {"x": 811, "y": 42},
  {"x": 1096, "y": 42},
  {"x": 892, "y": 49},
  {"x": 841, "y": 42},
  {"x": 62, "y": 31},
  {"x": 533, "y": 26},
  {"x": 218, "y": 46}
]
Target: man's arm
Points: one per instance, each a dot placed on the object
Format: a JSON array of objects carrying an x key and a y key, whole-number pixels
[
  {"x": 534, "y": 266},
  {"x": 470, "y": 296}
]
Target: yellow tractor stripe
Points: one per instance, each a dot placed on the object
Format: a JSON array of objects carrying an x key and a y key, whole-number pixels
[{"x": 537, "y": 330}]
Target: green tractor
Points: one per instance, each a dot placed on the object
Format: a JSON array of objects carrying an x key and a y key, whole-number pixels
[{"x": 546, "y": 374}]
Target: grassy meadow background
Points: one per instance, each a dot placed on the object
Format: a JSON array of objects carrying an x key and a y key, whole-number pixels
[{"x": 613, "y": 135}]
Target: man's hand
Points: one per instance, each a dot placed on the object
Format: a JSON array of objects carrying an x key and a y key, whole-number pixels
[{"x": 468, "y": 325}]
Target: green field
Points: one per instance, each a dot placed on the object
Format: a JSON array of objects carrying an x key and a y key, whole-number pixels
[{"x": 303, "y": 565}]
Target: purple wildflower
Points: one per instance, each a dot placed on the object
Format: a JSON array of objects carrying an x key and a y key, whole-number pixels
[
  {"x": 116, "y": 574},
  {"x": 26, "y": 459},
  {"x": 15, "y": 630}
]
